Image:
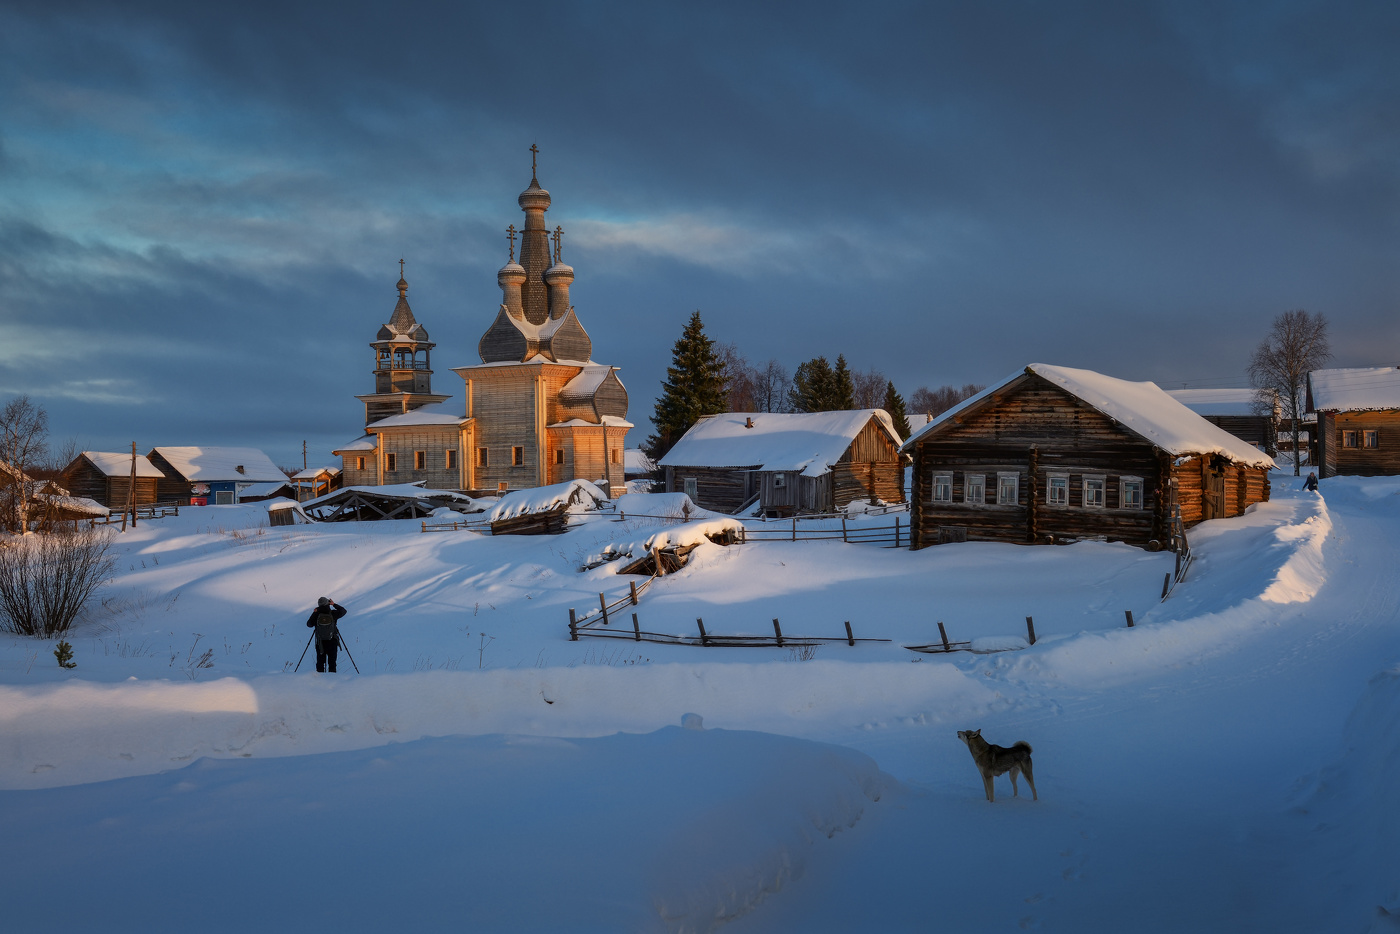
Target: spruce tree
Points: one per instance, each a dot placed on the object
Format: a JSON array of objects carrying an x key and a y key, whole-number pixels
[
  {"x": 894, "y": 404},
  {"x": 811, "y": 386},
  {"x": 694, "y": 387},
  {"x": 843, "y": 387}
]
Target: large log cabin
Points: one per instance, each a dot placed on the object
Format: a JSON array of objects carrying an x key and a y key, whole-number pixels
[
  {"x": 1358, "y": 420},
  {"x": 1056, "y": 455},
  {"x": 811, "y": 462},
  {"x": 105, "y": 478}
]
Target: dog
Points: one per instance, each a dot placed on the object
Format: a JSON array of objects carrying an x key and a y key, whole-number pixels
[{"x": 996, "y": 760}]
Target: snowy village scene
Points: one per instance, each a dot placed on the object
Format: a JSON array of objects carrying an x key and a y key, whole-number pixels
[{"x": 608, "y": 467}]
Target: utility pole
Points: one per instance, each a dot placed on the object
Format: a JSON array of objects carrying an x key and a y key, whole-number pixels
[{"x": 303, "y": 455}]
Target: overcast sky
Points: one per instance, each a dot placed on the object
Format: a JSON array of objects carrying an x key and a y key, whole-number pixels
[{"x": 202, "y": 206}]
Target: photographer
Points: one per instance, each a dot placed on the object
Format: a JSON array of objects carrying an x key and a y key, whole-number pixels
[{"x": 324, "y": 620}]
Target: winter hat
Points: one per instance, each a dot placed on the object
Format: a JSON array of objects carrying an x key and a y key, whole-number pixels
[{"x": 324, "y": 601}]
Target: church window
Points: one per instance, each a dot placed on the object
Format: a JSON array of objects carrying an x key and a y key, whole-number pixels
[
  {"x": 359, "y": 463},
  {"x": 517, "y": 456},
  {"x": 559, "y": 456},
  {"x": 615, "y": 456},
  {"x": 391, "y": 462},
  {"x": 449, "y": 459},
  {"x": 481, "y": 459},
  {"x": 420, "y": 460}
]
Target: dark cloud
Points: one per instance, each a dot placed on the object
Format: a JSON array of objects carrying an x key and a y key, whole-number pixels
[{"x": 208, "y": 203}]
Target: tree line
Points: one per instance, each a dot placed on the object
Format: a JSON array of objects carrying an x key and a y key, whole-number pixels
[{"x": 706, "y": 378}]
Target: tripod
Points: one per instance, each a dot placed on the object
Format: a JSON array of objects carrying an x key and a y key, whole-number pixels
[{"x": 339, "y": 641}]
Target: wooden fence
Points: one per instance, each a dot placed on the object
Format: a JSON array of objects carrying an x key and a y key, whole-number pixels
[{"x": 157, "y": 511}]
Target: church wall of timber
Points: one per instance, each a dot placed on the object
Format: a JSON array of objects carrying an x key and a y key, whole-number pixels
[
  {"x": 504, "y": 406},
  {"x": 433, "y": 442}
]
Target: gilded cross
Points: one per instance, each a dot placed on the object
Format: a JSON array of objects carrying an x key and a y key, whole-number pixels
[{"x": 510, "y": 235}]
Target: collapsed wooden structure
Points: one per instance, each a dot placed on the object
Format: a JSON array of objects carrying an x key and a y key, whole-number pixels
[
  {"x": 1055, "y": 455},
  {"x": 369, "y": 503}
]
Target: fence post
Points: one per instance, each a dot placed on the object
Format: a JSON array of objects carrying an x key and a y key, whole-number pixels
[
  {"x": 794, "y": 526},
  {"x": 778, "y": 630},
  {"x": 632, "y": 585},
  {"x": 1178, "y": 566},
  {"x": 850, "y": 639},
  {"x": 636, "y": 628},
  {"x": 1129, "y": 614},
  {"x": 896, "y": 531},
  {"x": 704, "y": 639},
  {"x": 1030, "y": 629},
  {"x": 602, "y": 602},
  {"x": 1166, "y": 584},
  {"x": 843, "y": 528},
  {"x": 944, "y": 633},
  {"x": 573, "y": 626}
]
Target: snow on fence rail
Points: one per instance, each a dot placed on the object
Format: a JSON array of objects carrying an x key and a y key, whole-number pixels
[
  {"x": 157, "y": 511},
  {"x": 896, "y": 536}
]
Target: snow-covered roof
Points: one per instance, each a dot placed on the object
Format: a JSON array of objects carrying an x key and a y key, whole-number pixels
[
  {"x": 260, "y": 490},
  {"x": 364, "y": 443},
  {"x": 606, "y": 421},
  {"x": 1217, "y": 401},
  {"x": 807, "y": 441},
  {"x": 1142, "y": 408},
  {"x": 635, "y": 460},
  {"x": 584, "y": 385},
  {"x": 214, "y": 464},
  {"x": 1355, "y": 389},
  {"x": 434, "y": 413},
  {"x": 119, "y": 465},
  {"x": 312, "y": 473},
  {"x": 80, "y": 505},
  {"x": 577, "y": 493}
]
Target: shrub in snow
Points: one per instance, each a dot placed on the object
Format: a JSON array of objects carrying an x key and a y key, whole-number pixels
[
  {"x": 46, "y": 579},
  {"x": 64, "y": 653}
]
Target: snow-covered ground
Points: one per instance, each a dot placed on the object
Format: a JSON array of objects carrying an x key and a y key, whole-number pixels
[{"x": 1221, "y": 766}]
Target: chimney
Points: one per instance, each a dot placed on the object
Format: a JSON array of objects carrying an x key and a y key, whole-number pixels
[
  {"x": 240, "y": 469},
  {"x": 748, "y": 423}
]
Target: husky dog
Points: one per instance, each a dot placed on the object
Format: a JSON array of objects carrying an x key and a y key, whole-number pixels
[{"x": 996, "y": 760}]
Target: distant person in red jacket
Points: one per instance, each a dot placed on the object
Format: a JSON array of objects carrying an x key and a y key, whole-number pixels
[{"x": 324, "y": 620}]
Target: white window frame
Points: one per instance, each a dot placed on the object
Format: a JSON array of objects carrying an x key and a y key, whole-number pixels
[
  {"x": 1051, "y": 481},
  {"x": 981, "y": 484},
  {"x": 1015, "y": 478},
  {"x": 943, "y": 483},
  {"x": 779, "y": 480},
  {"x": 225, "y": 498},
  {"x": 1084, "y": 500},
  {"x": 1123, "y": 492}
]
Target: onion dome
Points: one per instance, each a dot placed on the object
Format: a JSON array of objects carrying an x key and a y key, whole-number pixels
[
  {"x": 534, "y": 197},
  {"x": 559, "y": 271},
  {"x": 511, "y": 271}
]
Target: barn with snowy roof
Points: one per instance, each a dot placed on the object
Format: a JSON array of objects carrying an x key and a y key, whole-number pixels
[
  {"x": 105, "y": 478},
  {"x": 1053, "y": 454},
  {"x": 807, "y": 462},
  {"x": 1358, "y": 420},
  {"x": 202, "y": 475}
]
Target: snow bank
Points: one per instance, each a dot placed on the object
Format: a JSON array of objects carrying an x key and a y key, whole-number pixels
[
  {"x": 676, "y": 830},
  {"x": 580, "y": 495}
]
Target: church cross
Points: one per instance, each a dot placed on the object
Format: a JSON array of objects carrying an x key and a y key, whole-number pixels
[
  {"x": 558, "y": 243},
  {"x": 534, "y": 152},
  {"x": 510, "y": 235},
  {"x": 400, "y": 269}
]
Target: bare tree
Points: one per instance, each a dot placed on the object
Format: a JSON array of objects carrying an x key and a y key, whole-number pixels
[
  {"x": 738, "y": 378},
  {"x": 1296, "y": 345},
  {"x": 47, "y": 579},
  {"x": 869, "y": 388},
  {"x": 771, "y": 387},
  {"x": 932, "y": 402},
  {"x": 24, "y": 433}
]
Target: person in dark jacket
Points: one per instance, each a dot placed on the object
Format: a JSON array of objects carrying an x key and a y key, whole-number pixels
[
  {"x": 325, "y": 619},
  {"x": 1310, "y": 484}
]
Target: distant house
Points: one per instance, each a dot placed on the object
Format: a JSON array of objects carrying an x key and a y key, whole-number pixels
[
  {"x": 105, "y": 478},
  {"x": 316, "y": 481},
  {"x": 1358, "y": 420},
  {"x": 204, "y": 476},
  {"x": 1237, "y": 411},
  {"x": 813, "y": 462},
  {"x": 1053, "y": 454}
]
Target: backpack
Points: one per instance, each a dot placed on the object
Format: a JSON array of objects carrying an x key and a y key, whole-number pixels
[{"x": 325, "y": 628}]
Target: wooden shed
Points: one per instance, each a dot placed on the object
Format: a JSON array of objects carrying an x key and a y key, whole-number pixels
[
  {"x": 810, "y": 462},
  {"x": 1358, "y": 420},
  {"x": 1054, "y": 455},
  {"x": 105, "y": 478}
]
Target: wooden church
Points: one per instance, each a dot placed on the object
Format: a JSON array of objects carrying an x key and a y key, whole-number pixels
[{"x": 536, "y": 411}]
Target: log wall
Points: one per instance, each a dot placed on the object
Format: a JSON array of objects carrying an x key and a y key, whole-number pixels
[{"x": 1340, "y": 460}]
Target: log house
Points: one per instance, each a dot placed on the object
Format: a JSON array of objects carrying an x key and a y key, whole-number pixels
[{"x": 1358, "y": 420}]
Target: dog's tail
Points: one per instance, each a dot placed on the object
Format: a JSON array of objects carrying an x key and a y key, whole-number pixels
[{"x": 1022, "y": 744}]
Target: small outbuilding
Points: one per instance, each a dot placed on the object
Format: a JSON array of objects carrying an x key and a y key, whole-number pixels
[
  {"x": 202, "y": 476},
  {"x": 105, "y": 478},
  {"x": 1245, "y": 413},
  {"x": 317, "y": 481},
  {"x": 1053, "y": 455},
  {"x": 1358, "y": 420},
  {"x": 808, "y": 462}
]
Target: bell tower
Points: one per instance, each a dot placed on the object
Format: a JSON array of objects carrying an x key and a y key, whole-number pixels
[{"x": 403, "y": 375}]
